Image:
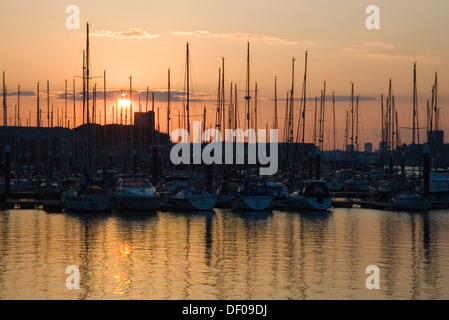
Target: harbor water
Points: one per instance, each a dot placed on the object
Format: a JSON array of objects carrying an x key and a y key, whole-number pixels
[{"x": 222, "y": 255}]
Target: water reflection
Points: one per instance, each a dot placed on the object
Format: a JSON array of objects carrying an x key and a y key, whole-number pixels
[{"x": 224, "y": 255}]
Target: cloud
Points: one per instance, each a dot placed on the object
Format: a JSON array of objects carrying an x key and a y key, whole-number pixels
[
  {"x": 238, "y": 36},
  {"x": 159, "y": 95},
  {"x": 131, "y": 33},
  {"x": 22, "y": 94},
  {"x": 387, "y": 51}
]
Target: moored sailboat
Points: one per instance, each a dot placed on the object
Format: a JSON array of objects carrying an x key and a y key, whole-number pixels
[
  {"x": 193, "y": 199},
  {"x": 135, "y": 192},
  {"x": 254, "y": 196},
  {"x": 314, "y": 195}
]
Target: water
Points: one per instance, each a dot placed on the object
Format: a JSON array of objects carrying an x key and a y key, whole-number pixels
[{"x": 224, "y": 255}]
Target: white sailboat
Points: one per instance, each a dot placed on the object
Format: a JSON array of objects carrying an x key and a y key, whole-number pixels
[
  {"x": 88, "y": 197},
  {"x": 193, "y": 199},
  {"x": 135, "y": 192},
  {"x": 411, "y": 201},
  {"x": 314, "y": 195},
  {"x": 254, "y": 196}
]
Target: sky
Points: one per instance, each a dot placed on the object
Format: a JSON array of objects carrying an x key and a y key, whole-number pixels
[{"x": 144, "y": 39}]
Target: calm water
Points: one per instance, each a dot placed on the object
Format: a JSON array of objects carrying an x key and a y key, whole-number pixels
[{"x": 223, "y": 255}]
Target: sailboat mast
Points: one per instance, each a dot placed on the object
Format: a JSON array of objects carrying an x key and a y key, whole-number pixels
[
  {"x": 235, "y": 108},
  {"x": 18, "y": 105},
  {"x": 104, "y": 95},
  {"x": 304, "y": 100},
  {"x": 87, "y": 75},
  {"x": 168, "y": 106},
  {"x": 188, "y": 88},
  {"x": 38, "y": 108},
  {"x": 437, "y": 112},
  {"x": 48, "y": 103},
  {"x": 414, "y": 104},
  {"x": 333, "y": 119},
  {"x": 5, "y": 108},
  {"x": 352, "y": 114},
  {"x": 292, "y": 102},
  {"x": 223, "y": 97},
  {"x": 74, "y": 104},
  {"x": 248, "y": 89},
  {"x": 275, "y": 104},
  {"x": 65, "y": 101}
]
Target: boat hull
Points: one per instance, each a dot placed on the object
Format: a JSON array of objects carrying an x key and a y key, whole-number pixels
[
  {"x": 310, "y": 203},
  {"x": 88, "y": 203},
  {"x": 412, "y": 204},
  {"x": 194, "y": 203},
  {"x": 137, "y": 203},
  {"x": 252, "y": 203}
]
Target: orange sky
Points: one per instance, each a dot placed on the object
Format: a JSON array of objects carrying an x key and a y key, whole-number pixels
[{"x": 146, "y": 38}]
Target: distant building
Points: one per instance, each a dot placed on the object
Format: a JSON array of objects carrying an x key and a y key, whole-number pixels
[{"x": 368, "y": 147}]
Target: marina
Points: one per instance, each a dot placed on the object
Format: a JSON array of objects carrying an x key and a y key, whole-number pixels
[{"x": 154, "y": 172}]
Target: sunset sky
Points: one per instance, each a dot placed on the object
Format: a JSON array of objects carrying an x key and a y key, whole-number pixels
[{"x": 145, "y": 38}]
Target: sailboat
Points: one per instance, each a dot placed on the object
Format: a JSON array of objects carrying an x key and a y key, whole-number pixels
[
  {"x": 314, "y": 195},
  {"x": 193, "y": 199},
  {"x": 89, "y": 195},
  {"x": 253, "y": 196},
  {"x": 135, "y": 192}
]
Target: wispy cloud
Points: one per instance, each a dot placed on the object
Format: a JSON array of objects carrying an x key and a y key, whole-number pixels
[
  {"x": 387, "y": 51},
  {"x": 131, "y": 33},
  {"x": 238, "y": 36}
]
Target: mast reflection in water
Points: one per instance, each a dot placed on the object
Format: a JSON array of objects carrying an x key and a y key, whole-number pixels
[{"x": 225, "y": 255}]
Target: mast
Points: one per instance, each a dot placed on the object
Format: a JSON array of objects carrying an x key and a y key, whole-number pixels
[
  {"x": 275, "y": 104},
  {"x": 255, "y": 109},
  {"x": 414, "y": 127},
  {"x": 248, "y": 89},
  {"x": 18, "y": 105},
  {"x": 131, "y": 100},
  {"x": 314, "y": 123},
  {"x": 218, "y": 115},
  {"x": 65, "y": 101},
  {"x": 223, "y": 97},
  {"x": 292, "y": 103},
  {"x": 38, "y": 108},
  {"x": 87, "y": 97},
  {"x": 304, "y": 100},
  {"x": 333, "y": 119},
  {"x": 352, "y": 114},
  {"x": 87, "y": 75},
  {"x": 74, "y": 104},
  {"x": 382, "y": 126},
  {"x": 321, "y": 119},
  {"x": 231, "y": 108},
  {"x": 357, "y": 124},
  {"x": 104, "y": 95},
  {"x": 38, "y": 156},
  {"x": 235, "y": 108},
  {"x": 434, "y": 112},
  {"x": 168, "y": 106},
  {"x": 84, "y": 87},
  {"x": 188, "y": 88},
  {"x": 48, "y": 103},
  {"x": 5, "y": 108}
]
